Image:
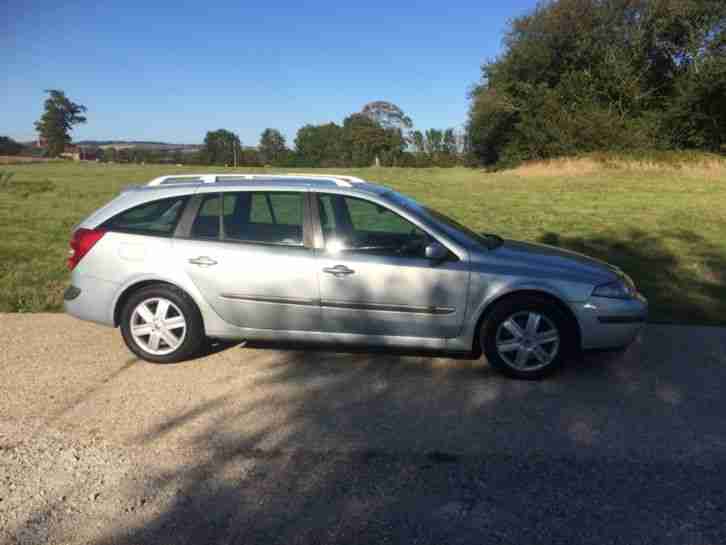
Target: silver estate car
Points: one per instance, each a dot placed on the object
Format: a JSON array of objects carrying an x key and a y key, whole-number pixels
[{"x": 334, "y": 259}]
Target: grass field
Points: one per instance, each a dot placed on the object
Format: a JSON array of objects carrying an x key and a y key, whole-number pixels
[{"x": 665, "y": 224}]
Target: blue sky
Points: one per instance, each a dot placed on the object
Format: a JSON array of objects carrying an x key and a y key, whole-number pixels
[{"x": 170, "y": 71}]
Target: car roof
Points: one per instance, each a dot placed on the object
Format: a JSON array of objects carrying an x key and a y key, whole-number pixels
[{"x": 278, "y": 182}]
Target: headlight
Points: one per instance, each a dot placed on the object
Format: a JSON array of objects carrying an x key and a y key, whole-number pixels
[{"x": 618, "y": 289}]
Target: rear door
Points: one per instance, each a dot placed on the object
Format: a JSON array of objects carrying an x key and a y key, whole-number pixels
[
  {"x": 375, "y": 278},
  {"x": 249, "y": 254}
]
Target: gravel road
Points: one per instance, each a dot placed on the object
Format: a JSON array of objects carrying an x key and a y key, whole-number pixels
[{"x": 262, "y": 445}]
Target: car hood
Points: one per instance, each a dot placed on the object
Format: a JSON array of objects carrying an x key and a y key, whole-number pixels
[{"x": 545, "y": 258}]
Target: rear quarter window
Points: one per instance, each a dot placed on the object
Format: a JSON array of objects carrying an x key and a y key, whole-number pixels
[{"x": 157, "y": 218}]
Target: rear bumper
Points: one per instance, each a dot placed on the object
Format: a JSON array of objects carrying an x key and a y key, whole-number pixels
[
  {"x": 89, "y": 298},
  {"x": 610, "y": 323}
]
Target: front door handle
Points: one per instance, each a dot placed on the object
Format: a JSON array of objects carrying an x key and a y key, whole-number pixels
[
  {"x": 203, "y": 261},
  {"x": 338, "y": 271}
]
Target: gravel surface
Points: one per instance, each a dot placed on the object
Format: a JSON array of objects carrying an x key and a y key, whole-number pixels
[{"x": 261, "y": 445}]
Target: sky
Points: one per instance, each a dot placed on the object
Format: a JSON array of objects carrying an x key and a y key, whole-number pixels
[{"x": 171, "y": 71}]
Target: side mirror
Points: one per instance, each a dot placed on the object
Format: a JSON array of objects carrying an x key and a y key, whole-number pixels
[{"x": 436, "y": 252}]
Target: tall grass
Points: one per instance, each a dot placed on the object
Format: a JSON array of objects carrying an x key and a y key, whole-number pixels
[{"x": 688, "y": 164}]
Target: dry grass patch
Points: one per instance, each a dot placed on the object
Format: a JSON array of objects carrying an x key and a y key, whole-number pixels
[
  {"x": 576, "y": 166},
  {"x": 706, "y": 166}
]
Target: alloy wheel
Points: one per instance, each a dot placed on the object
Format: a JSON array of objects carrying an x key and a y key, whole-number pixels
[
  {"x": 527, "y": 341},
  {"x": 158, "y": 326}
]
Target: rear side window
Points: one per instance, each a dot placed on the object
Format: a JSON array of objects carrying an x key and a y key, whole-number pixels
[
  {"x": 206, "y": 224},
  {"x": 258, "y": 217},
  {"x": 152, "y": 218},
  {"x": 264, "y": 217},
  {"x": 277, "y": 208},
  {"x": 327, "y": 213}
]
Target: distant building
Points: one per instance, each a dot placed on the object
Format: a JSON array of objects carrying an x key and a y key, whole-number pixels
[
  {"x": 71, "y": 151},
  {"x": 80, "y": 153}
]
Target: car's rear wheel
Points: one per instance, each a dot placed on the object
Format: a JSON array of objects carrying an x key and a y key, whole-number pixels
[
  {"x": 161, "y": 324},
  {"x": 527, "y": 337}
]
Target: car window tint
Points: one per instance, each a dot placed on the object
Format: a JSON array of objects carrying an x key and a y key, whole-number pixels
[
  {"x": 287, "y": 207},
  {"x": 327, "y": 214},
  {"x": 368, "y": 216},
  {"x": 152, "y": 218},
  {"x": 264, "y": 217},
  {"x": 370, "y": 228},
  {"x": 206, "y": 224},
  {"x": 260, "y": 210}
]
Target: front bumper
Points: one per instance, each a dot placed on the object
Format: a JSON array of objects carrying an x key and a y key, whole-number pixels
[{"x": 610, "y": 323}]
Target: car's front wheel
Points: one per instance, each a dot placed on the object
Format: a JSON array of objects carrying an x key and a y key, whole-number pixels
[
  {"x": 527, "y": 337},
  {"x": 161, "y": 324}
]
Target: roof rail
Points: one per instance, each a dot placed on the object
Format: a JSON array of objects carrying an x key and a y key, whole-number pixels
[
  {"x": 174, "y": 179},
  {"x": 334, "y": 177},
  {"x": 183, "y": 179}
]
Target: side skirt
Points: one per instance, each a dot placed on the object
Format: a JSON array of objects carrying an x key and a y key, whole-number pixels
[{"x": 455, "y": 345}]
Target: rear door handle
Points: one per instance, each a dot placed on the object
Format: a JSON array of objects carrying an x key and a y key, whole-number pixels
[
  {"x": 338, "y": 270},
  {"x": 203, "y": 261}
]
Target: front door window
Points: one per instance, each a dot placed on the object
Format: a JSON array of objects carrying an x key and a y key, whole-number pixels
[{"x": 352, "y": 225}]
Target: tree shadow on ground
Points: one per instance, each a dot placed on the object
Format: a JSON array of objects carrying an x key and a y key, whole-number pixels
[
  {"x": 353, "y": 448},
  {"x": 679, "y": 290}
]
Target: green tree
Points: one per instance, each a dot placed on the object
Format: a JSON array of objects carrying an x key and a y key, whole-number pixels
[
  {"x": 109, "y": 154},
  {"x": 418, "y": 141},
  {"x": 435, "y": 147},
  {"x": 364, "y": 140},
  {"x": 8, "y": 146},
  {"x": 272, "y": 147},
  {"x": 697, "y": 116},
  {"x": 222, "y": 147},
  {"x": 387, "y": 115},
  {"x": 395, "y": 123},
  {"x": 250, "y": 157},
  {"x": 320, "y": 146},
  {"x": 583, "y": 75},
  {"x": 434, "y": 141},
  {"x": 58, "y": 119},
  {"x": 449, "y": 144}
]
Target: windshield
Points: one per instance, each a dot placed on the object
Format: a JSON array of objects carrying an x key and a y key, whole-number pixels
[{"x": 452, "y": 226}]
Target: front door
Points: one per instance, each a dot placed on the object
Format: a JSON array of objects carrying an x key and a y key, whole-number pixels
[
  {"x": 246, "y": 253},
  {"x": 375, "y": 278}
]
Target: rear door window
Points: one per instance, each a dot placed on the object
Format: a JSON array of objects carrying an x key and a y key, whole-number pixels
[
  {"x": 264, "y": 217},
  {"x": 251, "y": 216},
  {"x": 207, "y": 222},
  {"x": 152, "y": 218},
  {"x": 327, "y": 215}
]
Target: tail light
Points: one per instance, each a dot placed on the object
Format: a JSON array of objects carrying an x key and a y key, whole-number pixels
[{"x": 82, "y": 241}]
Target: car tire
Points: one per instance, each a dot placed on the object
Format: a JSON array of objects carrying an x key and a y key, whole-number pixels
[
  {"x": 162, "y": 324},
  {"x": 513, "y": 347}
]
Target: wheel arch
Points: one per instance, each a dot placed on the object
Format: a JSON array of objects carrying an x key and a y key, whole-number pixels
[
  {"x": 132, "y": 288},
  {"x": 524, "y": 292}
]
